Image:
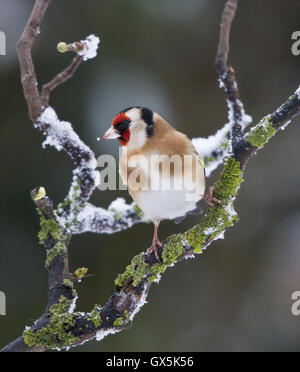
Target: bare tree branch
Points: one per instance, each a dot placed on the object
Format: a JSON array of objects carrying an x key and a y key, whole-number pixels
[
  {"x": 227, "y": 74},
  {"x": 226, "y": 140},
  {"x": 24, "y": 47},
  {"x": 59, "y": 79}
]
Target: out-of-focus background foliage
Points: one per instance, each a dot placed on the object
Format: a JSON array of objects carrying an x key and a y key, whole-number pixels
[{"x": 160, "y": 54}]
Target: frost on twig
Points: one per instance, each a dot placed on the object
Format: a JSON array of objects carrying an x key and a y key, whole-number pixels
[
  {"x": 87, "y": 48},
  {"x": 61, "y": 136},
  {"x": 90, "y": 47},
  {"x": 119, "y": 216},
  {"x": 216, "y": 148}
]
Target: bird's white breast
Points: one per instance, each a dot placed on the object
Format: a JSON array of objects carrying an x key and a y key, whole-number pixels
[
  {"x": 164, "y": 204},
  {"x": 170, "y": 196}
]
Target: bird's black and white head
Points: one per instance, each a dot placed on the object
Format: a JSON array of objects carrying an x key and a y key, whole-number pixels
[{"x": 132, "y": 127}]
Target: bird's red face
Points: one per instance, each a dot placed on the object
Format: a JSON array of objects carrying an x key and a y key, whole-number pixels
[
  {"x": 119, "y": 129},
  {"x": 121, "y": 123}
]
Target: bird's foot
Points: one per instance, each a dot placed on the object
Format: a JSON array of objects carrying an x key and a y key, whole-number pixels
[
  {"x": 154, "y": 248},
  {"x": 210, "y": 199}
]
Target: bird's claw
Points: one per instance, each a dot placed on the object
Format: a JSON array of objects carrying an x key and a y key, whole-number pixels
[
  {"x": 210, "y": 199},
  {"x": 154, "y": 248}
]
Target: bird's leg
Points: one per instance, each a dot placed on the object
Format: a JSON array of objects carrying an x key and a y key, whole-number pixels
[
  {"x": 210, "y": 199},
  {"x": 155, "y": 243}
]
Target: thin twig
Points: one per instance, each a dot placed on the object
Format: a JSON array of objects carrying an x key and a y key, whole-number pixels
[
  {"x": 59, "y": 79},
  {"x": 227, "y": 74}
]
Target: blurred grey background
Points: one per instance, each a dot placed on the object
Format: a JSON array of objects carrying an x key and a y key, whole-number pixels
[{"x": 159, "y": 54}]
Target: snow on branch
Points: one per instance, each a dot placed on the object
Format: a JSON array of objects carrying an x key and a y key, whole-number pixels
[
  {"x": 119, "y": 216},
  {"x": 62, "y": 136},
  {"x": 216, "y": 148},
  {"x": 86, "y": 48},
  {"x": 90, "y": 47},
  {"x": 236, "y": 113}
]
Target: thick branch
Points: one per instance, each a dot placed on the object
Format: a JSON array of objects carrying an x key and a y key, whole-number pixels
[
  {"x": 28, "y": 76},
  {"x": 55, "y": 241}
]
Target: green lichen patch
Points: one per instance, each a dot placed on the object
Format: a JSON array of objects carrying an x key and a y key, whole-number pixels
[
  {"x": 218, "y": 218},
  {"x": 58, "y": 250},
  {"x": 136, "y": 270},
  {"x": 262, "y": 133},
  {"x": 229, "y": 181},
  {"x": 95, "y": 316},
  {"x": 50, "y": 229},
  {"x": 173, "y": 249},
  {"x": 118, "y": 322},
  {"x": 139, "y": 269},
  {"x": 52, "y": 232},
  {"x": 57, "y": 333},
  {"x": 212, "y": 225},
  {"x": 69, "y": 284},
  {"x": 155, "y": 271}
]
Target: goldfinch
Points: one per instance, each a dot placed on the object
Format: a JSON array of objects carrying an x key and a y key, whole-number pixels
[{"x": 161, "y": 168}]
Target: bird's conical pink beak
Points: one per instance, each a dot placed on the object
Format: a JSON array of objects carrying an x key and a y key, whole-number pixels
[{"x": 112, "y": 133}]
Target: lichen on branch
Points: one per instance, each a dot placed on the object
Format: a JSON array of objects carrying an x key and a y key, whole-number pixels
[
  {"x": 262, "y": 133},
  {"x": 57, "y": 333}
]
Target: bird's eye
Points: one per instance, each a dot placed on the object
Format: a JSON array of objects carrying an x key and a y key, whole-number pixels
[{"x": 122, "y": 126}]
